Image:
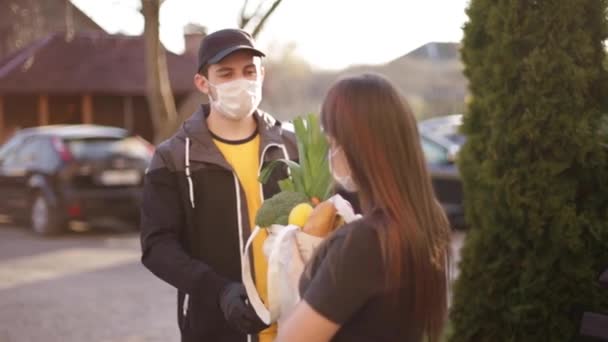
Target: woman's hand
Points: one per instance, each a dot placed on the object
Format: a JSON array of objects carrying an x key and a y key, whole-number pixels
[{"x": 304, "y": 324}]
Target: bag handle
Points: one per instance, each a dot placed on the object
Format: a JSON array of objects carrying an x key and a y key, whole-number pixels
[
  {"x": 252, "y": 293},
  {"x": 271, "y": 315},
  {"x": 344, "y": 208},
  {"x": 274, "y": 268}
]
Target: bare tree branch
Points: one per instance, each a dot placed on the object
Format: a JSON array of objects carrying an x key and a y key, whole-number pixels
[
  {"x": 259, "y": 16},
  {"x": 247, "y": 19},
  {"x": 244, "y": 19},
  {"x": 260, "y": 26}
]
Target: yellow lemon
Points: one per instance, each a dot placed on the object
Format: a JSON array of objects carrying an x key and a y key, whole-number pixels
[{"x": 299, "y": 214}]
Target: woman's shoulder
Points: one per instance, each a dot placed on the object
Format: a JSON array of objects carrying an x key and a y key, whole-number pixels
[
  {"x": 362, "y": 229},
  {"x": 346, "y": 272},
  {"x": 357, "y": 237}
]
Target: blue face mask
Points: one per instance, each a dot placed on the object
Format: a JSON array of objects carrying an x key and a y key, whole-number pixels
[{"x": 346, "y": 182}]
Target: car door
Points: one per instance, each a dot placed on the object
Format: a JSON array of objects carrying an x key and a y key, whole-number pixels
[
  {"x": 444, "y": 174},
  {"x": 5, "y": 151},
  {"x": 40, "y": 162},
  {"x": 14, "y": 175},
  {"x": 6, "y": 187}
]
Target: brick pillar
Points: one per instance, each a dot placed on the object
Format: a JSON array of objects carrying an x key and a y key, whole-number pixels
[
  {"x": 43, "y": 110},
  {"x": 87, "y": 109}
]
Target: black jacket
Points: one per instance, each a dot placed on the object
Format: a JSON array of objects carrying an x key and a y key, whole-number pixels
[{"x": 194, "y": 227}]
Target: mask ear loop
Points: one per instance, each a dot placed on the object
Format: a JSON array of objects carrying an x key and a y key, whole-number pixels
[
  {"x": 209, "y": 96},
  {"x": 346, "y": 182}
]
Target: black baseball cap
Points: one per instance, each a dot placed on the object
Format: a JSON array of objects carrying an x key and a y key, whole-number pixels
[{"x": 219, "y": 44}]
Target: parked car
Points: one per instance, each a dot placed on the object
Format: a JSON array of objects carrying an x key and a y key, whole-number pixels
[
  {"x": 55, "y": 174},
  {"x": 441, "y": 141}
]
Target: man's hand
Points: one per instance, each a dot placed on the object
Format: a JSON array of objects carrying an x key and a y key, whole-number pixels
[{"x": 238, "y": 312}]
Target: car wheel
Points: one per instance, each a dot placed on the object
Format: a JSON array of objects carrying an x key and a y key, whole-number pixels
[{"x": 43, "y": 217}]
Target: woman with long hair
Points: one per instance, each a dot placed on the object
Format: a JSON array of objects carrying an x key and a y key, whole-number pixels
[{"x": 383, "y": 277}]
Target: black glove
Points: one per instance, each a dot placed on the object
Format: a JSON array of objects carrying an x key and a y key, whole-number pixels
[{"x": 239, "y": 314}]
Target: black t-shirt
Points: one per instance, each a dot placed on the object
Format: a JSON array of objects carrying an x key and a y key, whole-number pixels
[{"x": 345, "y": 282}]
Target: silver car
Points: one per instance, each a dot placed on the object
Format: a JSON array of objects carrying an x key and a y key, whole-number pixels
[{"x": 441, "y": 141}]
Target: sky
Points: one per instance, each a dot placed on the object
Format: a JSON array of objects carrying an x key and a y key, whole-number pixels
[{"x": 328, "y": 34}]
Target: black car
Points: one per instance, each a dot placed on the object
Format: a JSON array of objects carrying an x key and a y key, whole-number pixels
[
  {"x": 441, "y": 141},
  {"x": 52, "y": 175}
]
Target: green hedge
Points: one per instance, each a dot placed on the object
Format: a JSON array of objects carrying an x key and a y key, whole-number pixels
[{"x": 535, "y": 176}]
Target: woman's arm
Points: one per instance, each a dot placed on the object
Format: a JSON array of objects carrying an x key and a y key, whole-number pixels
[{"x": 306, "y": 325}]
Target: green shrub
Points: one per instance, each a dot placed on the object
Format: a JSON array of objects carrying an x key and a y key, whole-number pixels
[{"x": 534, "y": 171}]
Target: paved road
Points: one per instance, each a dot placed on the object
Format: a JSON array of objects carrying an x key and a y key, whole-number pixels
[{"x": 82, "y": 287}]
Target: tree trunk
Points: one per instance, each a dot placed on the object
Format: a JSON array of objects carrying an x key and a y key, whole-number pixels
[{"x": 159, "y": 94}]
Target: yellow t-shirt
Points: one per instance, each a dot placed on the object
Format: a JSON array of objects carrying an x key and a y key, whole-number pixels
[{"x": 244, "y": 159}]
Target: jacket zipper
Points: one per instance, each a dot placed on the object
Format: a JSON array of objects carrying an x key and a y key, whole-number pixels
[{"x": 237, "y": 188}]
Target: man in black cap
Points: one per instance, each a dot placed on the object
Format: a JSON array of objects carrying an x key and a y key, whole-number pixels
[{"x": 201, "y": 193}]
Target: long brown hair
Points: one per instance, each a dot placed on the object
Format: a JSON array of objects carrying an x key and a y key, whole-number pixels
[{"x": 375, "y": 127}]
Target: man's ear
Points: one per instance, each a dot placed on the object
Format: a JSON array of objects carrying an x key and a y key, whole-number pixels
[
  {"x": 262, "y": 72},
  {"x": 201, "y": 83}
]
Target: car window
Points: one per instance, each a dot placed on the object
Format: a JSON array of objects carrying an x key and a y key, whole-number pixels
[
  {"x": 47, "y": 158},
  {"x": 98, "y": 148},
  {"x": 457, "y": 138},
  {"x": 30, "y": 153},
  {"x": 23, "y": 155},
  {"x": 433, "y": 152},
  {"x": 9, "y": 146},
  {"x": 35, "y": 153}
]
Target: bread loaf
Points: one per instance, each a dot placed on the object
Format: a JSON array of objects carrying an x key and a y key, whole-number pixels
[{"x": 322, "y": 220}]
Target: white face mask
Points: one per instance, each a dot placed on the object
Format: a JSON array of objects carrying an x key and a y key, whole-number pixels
[
  {"x": 346, "y": 182},
  {"x": 237, "y": 99}
]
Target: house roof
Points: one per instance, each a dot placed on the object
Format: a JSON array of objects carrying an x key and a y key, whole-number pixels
[
  {"x": 88, "y": 62},
  {"x": 432, "y": 52},
  {"x": 437, "y": 51}
]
